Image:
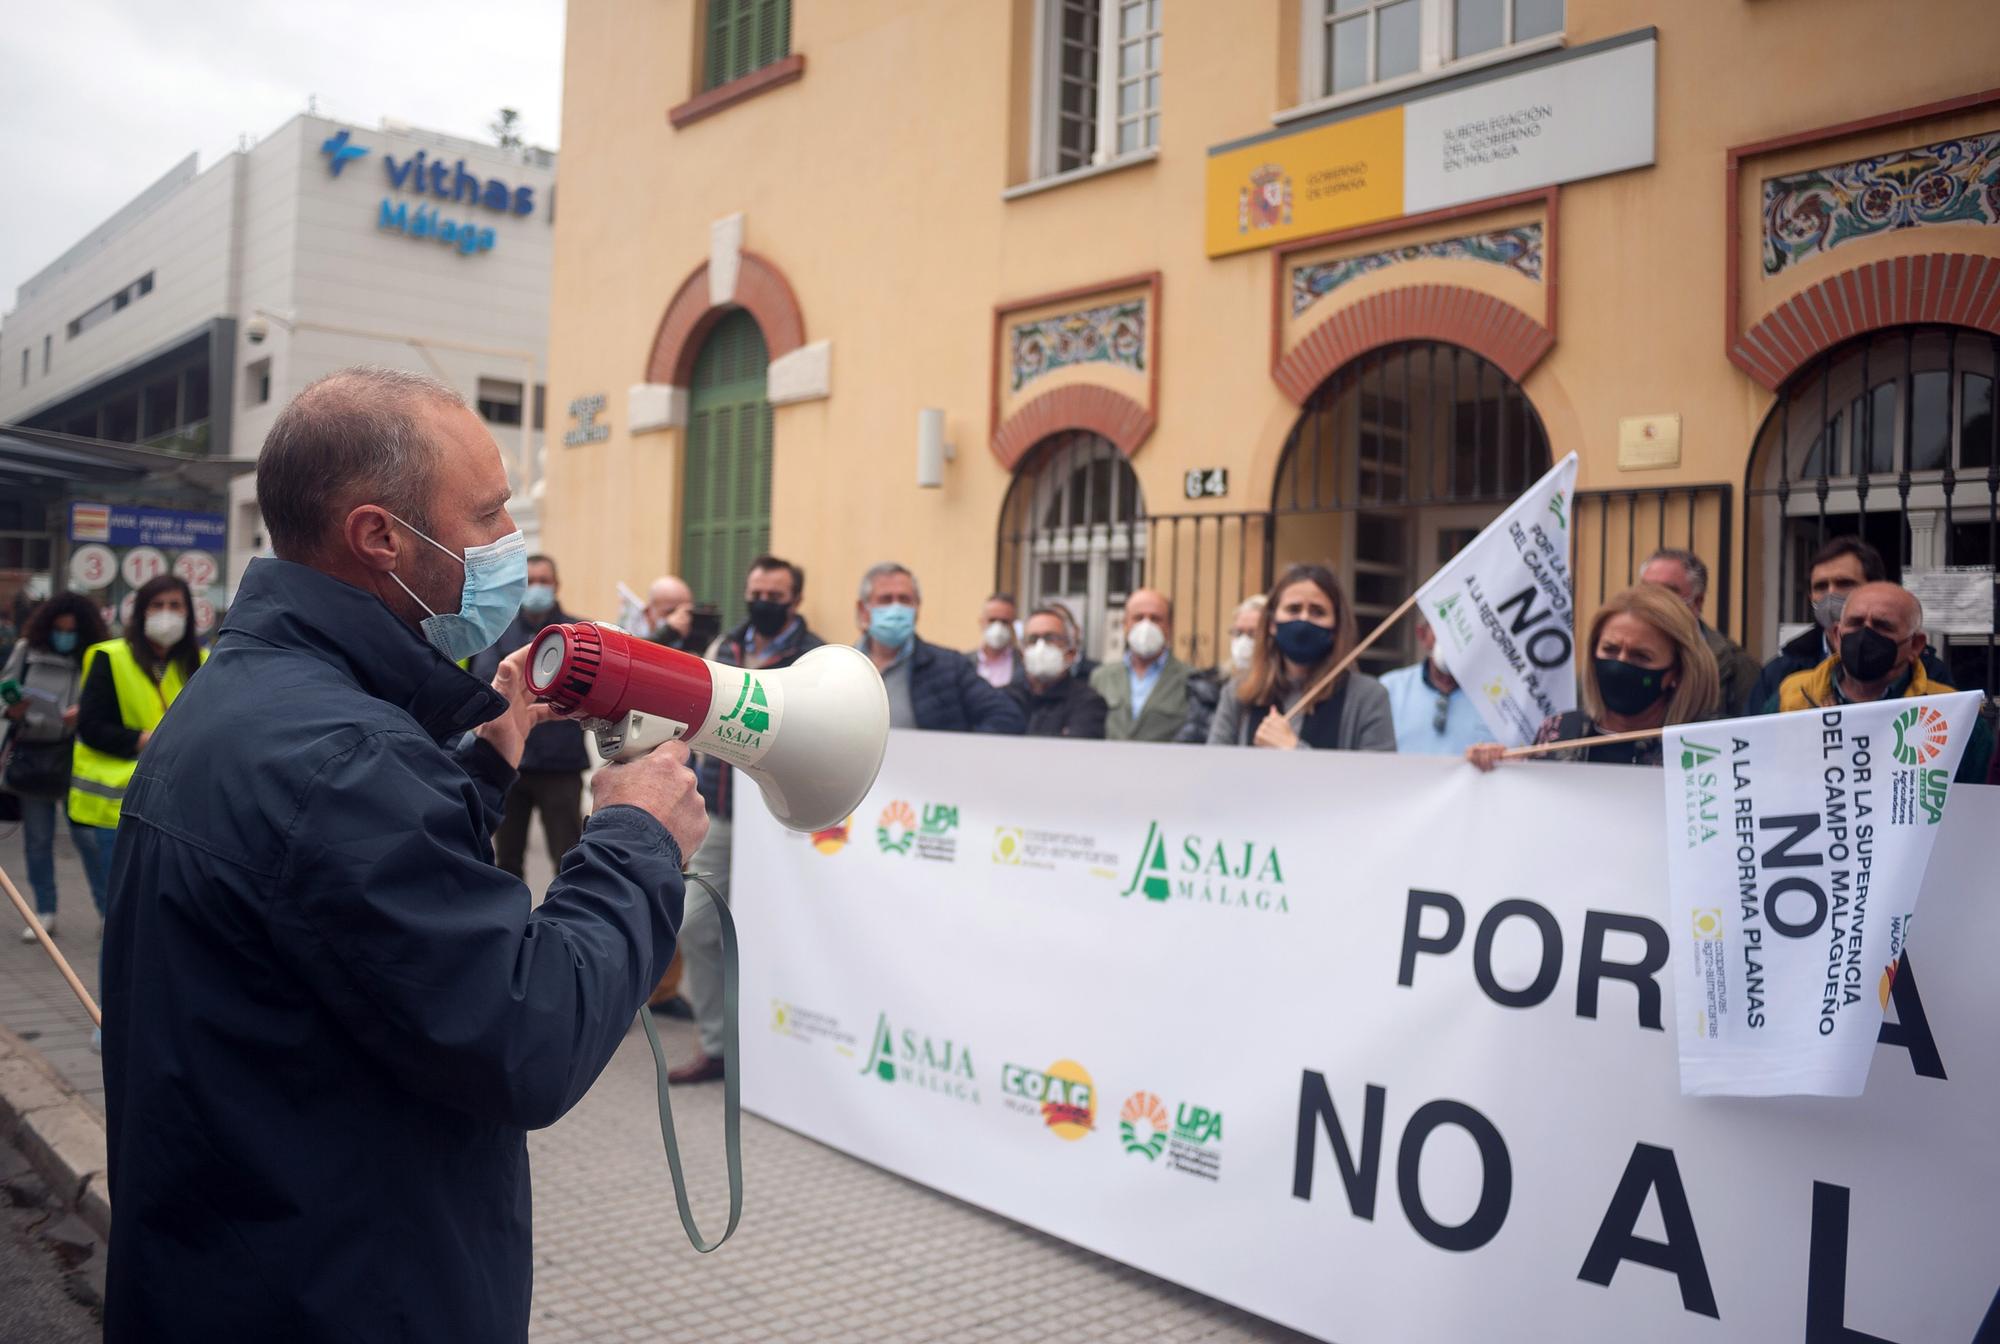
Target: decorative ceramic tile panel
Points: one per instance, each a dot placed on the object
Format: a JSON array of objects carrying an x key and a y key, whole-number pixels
[
  {"x": 1950, "y": 182},
  {"x": 1112, "y": 334},
  {"x": 1519, "y": 249}
]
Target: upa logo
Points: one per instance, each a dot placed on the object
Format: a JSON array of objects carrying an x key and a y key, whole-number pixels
[
  {"x": 1244, "y": 874},
  {"x": 1921, "y": 735},
  {"x": 1063, "y": 1096},
  {"x": 1142, "y": 1125},
  {"x": 917, "y": 1059},
  {"x": 898, "y": 831},
  {"x": 1700, "y": 787}
]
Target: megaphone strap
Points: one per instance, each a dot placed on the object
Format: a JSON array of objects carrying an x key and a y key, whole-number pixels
[{"x": 732, "y": 1086}]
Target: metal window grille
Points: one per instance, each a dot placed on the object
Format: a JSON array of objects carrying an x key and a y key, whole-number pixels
[
  {"x": 1395, "y": 463},
  {"x": 1612, "y": 532},
  {"x": 1891, "y": 437},
  {"x": 1074, "y": 529}
]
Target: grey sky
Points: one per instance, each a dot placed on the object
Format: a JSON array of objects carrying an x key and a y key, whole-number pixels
[{"x": 100, "y": 97}]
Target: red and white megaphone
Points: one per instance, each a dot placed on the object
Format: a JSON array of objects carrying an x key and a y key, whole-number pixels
[{"x": 812, "y": 734}]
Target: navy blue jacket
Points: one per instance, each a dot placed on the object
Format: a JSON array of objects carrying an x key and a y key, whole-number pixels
[
  {"x": 949, "y": 695},
  {"x": 553, "y": 748},
  {"x": 329, "y": 1020}
]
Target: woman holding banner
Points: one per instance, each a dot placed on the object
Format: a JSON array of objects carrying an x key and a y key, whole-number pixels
[
  {"x": 1307, "y": 626},
  {"x": 1649, "y": 667}
]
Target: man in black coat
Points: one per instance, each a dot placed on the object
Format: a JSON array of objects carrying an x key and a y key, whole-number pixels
[
  {"x": 929, "y": 687},
  {"x": 329, "y": 1019},
  {"x": 550, "y": 777},
  {"x": 1055, "y": 702}
]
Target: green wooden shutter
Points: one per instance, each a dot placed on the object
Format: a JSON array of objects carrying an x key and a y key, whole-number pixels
[
  {"x": 745, "y": 35},
  {"x": 726, "y": 472}
]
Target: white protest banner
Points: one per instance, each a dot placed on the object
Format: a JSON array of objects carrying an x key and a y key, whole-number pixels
[
  {"x": 1502, "y": 612},
  {"x": 1796, "y": 844},
  {"x": 1375, "y": 1046}
]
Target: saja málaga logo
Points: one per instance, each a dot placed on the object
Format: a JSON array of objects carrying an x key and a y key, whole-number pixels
[
  {"x": 1701, "y": 786},
  {"x": 918, "y": 1059},
  {"x": 1244, "y": 874}
]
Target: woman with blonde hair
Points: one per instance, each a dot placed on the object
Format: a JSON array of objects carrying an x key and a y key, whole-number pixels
[
  {"x": 1307, "y": 626},
  {"x": 1648, "y": 667}
]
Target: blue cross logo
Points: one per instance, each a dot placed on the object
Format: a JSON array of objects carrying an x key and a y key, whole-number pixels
[{"x": 339, "y": 153}]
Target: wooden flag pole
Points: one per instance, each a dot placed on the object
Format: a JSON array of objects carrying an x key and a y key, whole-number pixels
[
  {"x": 1325, "y": 683},
  {"x": 1542, "y": 748},
  {"x": 49, "y": 946}
]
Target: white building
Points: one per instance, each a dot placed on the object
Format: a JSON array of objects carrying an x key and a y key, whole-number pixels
[{"x": 191, "y": 316}]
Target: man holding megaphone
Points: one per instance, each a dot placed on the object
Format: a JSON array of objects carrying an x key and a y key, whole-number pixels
[{"x": 329, "y": 1019}]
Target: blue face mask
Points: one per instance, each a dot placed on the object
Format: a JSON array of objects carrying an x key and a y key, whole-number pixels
[
  {"x": 539, "y": 599},
  {"x": 63, "y": 641},
  {"x": 892, "y": 624},
  {"x": 496, "y": 579}
]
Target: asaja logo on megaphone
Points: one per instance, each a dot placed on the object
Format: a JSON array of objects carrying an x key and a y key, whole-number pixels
[
  {"x": 749, "y": 719},
  {"x": 1244, "y": 874},
  {"x": 898, "y": 831},
  {"x": 1064, "y": 1096}
]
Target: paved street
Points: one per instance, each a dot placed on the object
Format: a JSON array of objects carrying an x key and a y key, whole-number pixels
[{"x": 829, "y": 1249}]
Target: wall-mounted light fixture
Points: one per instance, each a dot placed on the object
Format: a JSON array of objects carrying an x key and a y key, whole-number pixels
[{"x": 932, "y": 450}]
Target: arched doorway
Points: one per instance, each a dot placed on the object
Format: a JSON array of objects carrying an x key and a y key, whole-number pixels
[
  {"x": 1892, "y": 437},
  {"x": 1073, "y": 529},
  {"x": 1396, "y": 462},
  {"x": 726, "y": 465}
]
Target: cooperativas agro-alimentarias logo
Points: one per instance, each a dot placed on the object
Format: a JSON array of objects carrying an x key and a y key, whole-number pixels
[{"x": 1244, "y": 874}]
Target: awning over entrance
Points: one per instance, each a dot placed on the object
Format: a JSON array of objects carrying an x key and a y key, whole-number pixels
[{"x": 43, "y": 458}]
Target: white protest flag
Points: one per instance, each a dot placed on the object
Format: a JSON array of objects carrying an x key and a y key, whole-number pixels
[
  {"x": 1502, "y": 613},
  {"x": 631, "y": 612},
  {"x": 1795, "y": 847}
]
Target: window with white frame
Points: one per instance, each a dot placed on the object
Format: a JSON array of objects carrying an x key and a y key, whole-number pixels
[
  {"x": 1350, "y": 45},
  {"x": 1099, "y": 82}
]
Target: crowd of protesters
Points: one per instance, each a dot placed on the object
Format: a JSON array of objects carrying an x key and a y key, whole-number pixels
[{"x": 88, "y": 701}]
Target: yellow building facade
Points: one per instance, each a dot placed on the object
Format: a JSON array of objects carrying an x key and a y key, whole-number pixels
[{"x": 1198, "y": 288}]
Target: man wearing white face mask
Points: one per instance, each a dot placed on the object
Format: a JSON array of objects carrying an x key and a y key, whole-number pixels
[
  {"x": 1055, "y": 703},
  {"x": 322, "y": 999},
  {"x": 998, "y": 657},
  {"x": 1147, "y": 691},
  {"x": 549, "y": 779}
]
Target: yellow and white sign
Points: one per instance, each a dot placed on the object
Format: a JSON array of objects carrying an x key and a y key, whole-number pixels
[{"x": 1580, "y": 114}]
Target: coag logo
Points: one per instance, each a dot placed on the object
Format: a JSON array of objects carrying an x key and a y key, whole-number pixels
[
  {"x": 1064, "y": 1096},
  {"x": 1142, "y": 1125},
  {"x": 833, "y": 838},
  {"x": 918, "y": 1059},
  {"x": 1921, "y": 734},
  {"x": 1245, "y": 874}
]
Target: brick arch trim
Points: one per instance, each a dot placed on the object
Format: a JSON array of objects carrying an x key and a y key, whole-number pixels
[
  {"x": 1081, "y": 406},
  {"x": 1948, "y": 288},
  {"x": 1490, "y": 327},
  {"x": 760, "y": 287}
]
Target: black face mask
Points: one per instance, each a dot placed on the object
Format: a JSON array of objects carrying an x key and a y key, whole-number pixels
[
  {"x": 768, "y": 618},
  {"x": 1867, "y": 655},
  {"x": 1304, "y": 642},
  {"x": 1627, "y": 688}
]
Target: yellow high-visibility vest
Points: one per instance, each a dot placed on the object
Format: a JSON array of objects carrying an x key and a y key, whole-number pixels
[{"x": 97, "y": 779}]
